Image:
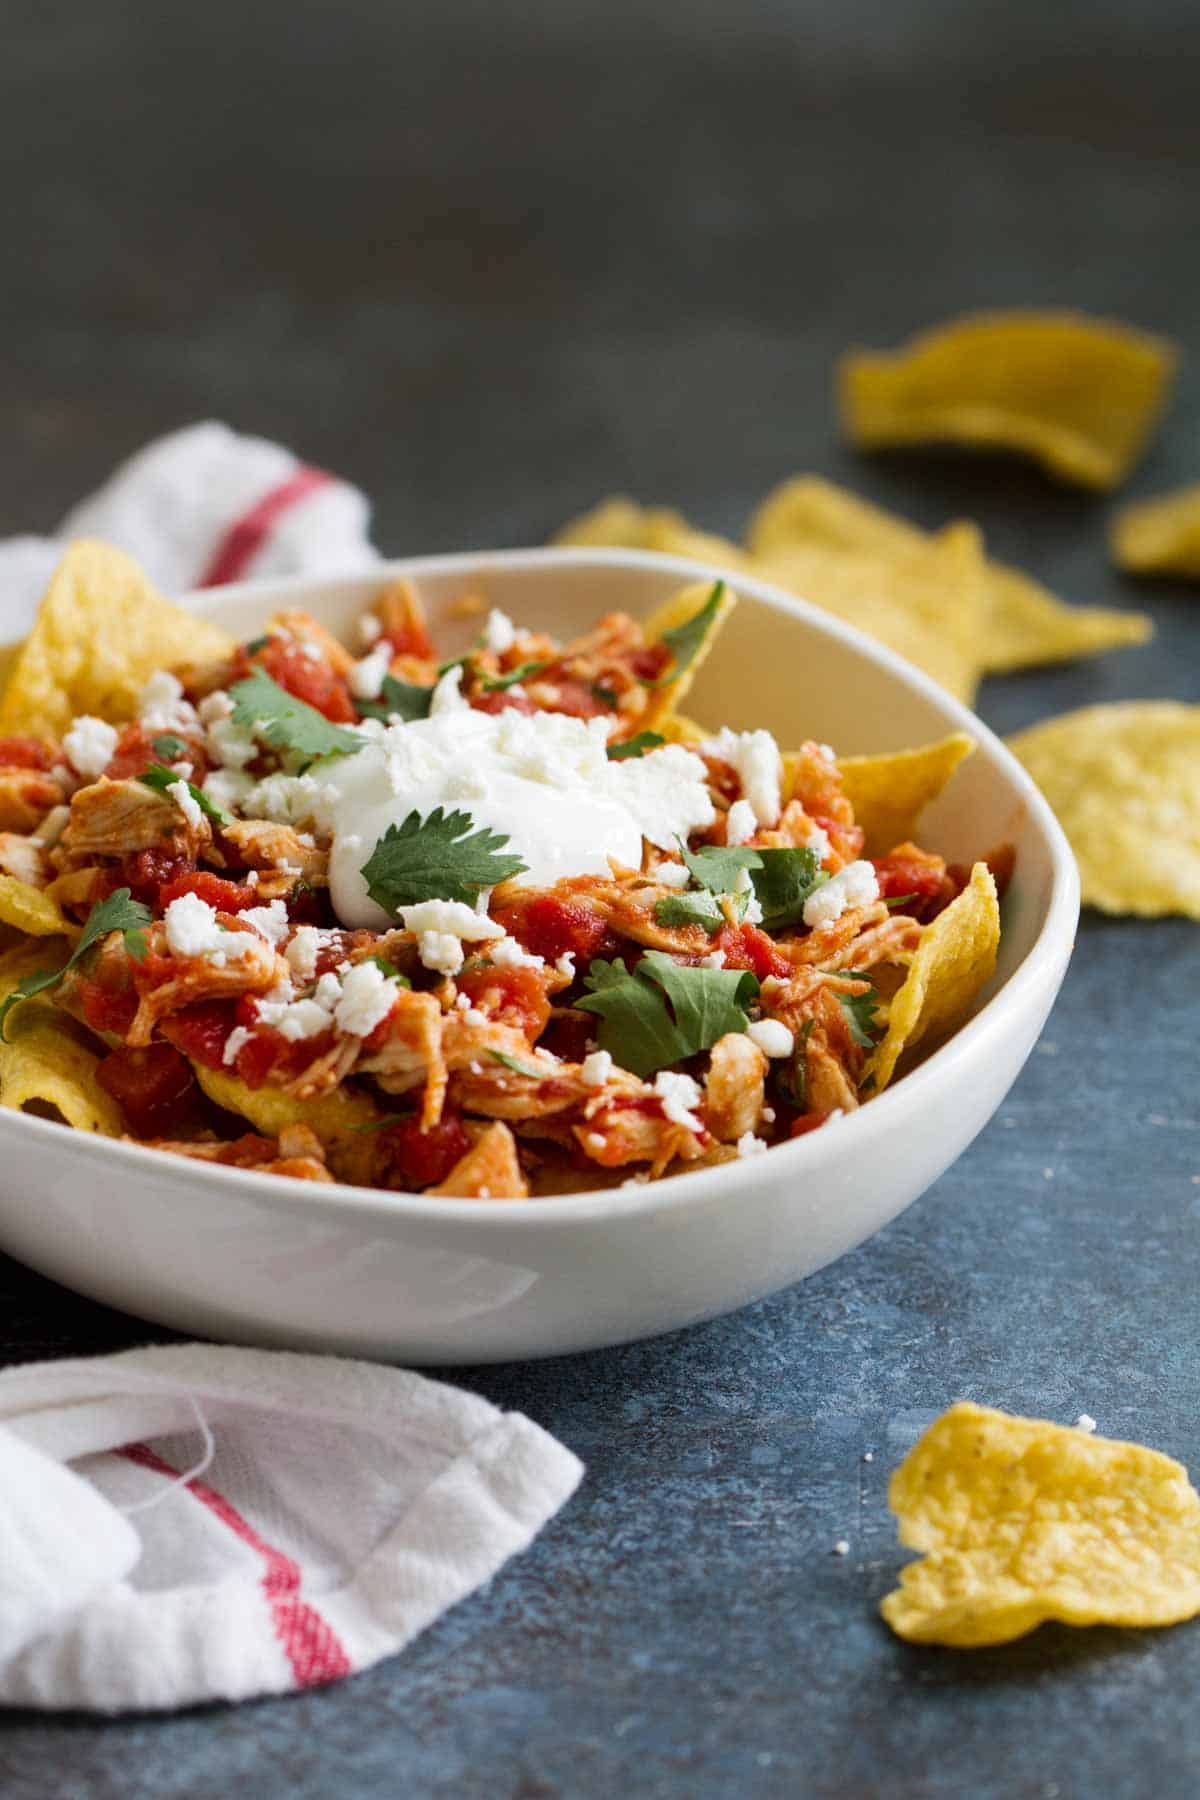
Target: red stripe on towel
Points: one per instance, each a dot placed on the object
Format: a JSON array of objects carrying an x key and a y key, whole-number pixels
[
  {"x": 310, "y": 1644},
  {"x": 247, "y": 535}
]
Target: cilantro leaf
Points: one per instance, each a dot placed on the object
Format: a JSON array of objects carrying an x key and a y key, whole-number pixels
[
  {"x": 286, "y": 723},
  {"x": 161, "y": 779},
  {"x": 405, "y": 700},
  {"x": 860, "y": 1011},
  {"x": 390, "y": 969},
  {"x": 664, "y": 1011},
  {"x": 894, "y": 901},
  {"x": 691, "y": 909},
  {"x": 605, "y": 695},
  {"x": 635, "y": 746},
  {"x": 717, "y": 868},
  {"x": 257, "y": 644},
  {"x": 118, "y": 913},
  {"x": 436, "y": 858},
  {"x": 494, "y": 684},
  {"x": 516, "y": 1065},
  {"x": 168, "y": 746},
  {"x": 684, "y": 640},
  {"x": 783, "y": 880}
]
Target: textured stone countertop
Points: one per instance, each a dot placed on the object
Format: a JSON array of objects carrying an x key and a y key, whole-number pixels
[{"x": 493, "y": 262}]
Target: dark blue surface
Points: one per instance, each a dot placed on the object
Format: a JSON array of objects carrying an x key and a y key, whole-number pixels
[{"x": 493, "y": 266}]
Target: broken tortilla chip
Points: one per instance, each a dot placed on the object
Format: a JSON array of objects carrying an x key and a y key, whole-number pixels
[
  {"x": 1124, "y": 782},
  {"x": 100, "y": 633},
  {"x": 44, "y": 1067},
  {"x": 889, "y": 793},
  {"x": 621, "y": 524},
  {"x": 338, "y": 1118},
  {"x": 489, "y": 1170},
  {"x": 926, "y": 603},
  {"x": 31, "y": 910},
  {"x": 1023, "y": 624},
  {"x": 1078, "y": 395},
  {"x": 1022, "y": 1520},
  {"x": 955, "y": 957},
  {"x": 688, "y": 623},
  {"x": 1160, "y": 537}
]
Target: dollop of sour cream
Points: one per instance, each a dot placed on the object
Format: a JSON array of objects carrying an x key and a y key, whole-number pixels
[{"x": 542, "y": 780}]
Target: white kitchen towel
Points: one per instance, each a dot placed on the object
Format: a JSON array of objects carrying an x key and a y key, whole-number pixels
[
  {"x": 190, "y": 1522},
  {"x": 202, "y": 506}
]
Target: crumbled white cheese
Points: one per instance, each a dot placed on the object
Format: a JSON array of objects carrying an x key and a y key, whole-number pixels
[
  {"x": 227, "y": 788},
  {"x": 440, "y": 951},
  {"x": 740, "y": 823},
  {"x": 230, "y": 745},
  {"x": 753, "y": 914},
  {"x": 453, "y": 916},
  {"x": 181, "y": 794},
  {"x": 238, "y": 1038},
  {"x": 565, "y": 965},
  {"x": 678, "y": 1093},
  {"x": 286, "y": 800},
  {"x": 161, "y": 705},
  {"x": 328, "y": 990},
  {"x": 749, "y": 1145},
  {"x": 301, "y": 952},
  {"x": 818, "y": 841},
  {"x": 369, "y": 627},
  {"x": 772, "y": 1037},
  {"x": 594, "y": 1141},
  {"x": 192, "y": 930},
  {"x": 595, "y": 1069},
  {"x": 365, "y": 679},
  {"x": 509, "y": 954},
  {"x": 271, "y": 921},
  {"x": 841, "y": 1548},
  {"x": 828, "y": 752},
  {"x": 447, "y": 696},
  {"x": 89, "y": 745},
  {"x": 714, "y": 960},
  {"x": 499, "y": 634},
  {"x": 1085, "y": 1422},
  {"x": 855, "y": 885},
  {"x": 755, "y": 756},
  {"x": 368, "y": 996},
  {"x": 672, "y": 874},
  {"x": 295, "y": 1020},
  {"x": 214, "y": 706}
]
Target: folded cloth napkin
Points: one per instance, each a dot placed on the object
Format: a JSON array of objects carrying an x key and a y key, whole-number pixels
[
  {"x": 191, "y": 1522},
  {"x": 197, "y": 508}
]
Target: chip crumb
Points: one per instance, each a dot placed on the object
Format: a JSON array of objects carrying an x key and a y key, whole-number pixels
[
  {"x": 1085, "y": 1422},
  {"x": 842, "y": 1547},
  {"x": 868, "y": 1456}
]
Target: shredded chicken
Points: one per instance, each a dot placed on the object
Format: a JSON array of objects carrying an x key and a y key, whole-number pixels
[
  {"x": 26, "y": 796},
  {"x": 112, "y": 818},
  {"x": 24, "y": 858},
  {"x": 196, "y": 978},
  {"x": 734, "y": 1092},
  {"x": 263, "y": 845},
  {"x": 489, "y": 1170}
]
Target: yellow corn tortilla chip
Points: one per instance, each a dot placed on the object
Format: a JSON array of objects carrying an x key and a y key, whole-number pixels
[
  {"x": 44, "y": 1066},
  {"x": 956, "y": 956},
  {"x": 672, "y": 616},
  {"x": 679, "y": 729},
  {"x": 889, "y": 793},
  {"x": 1160, "y": 537},
  {"x": 1124, "y": 781},
  {"x": 621, "y": 524},
  {"x": 926, "y": 603},
  {"x": 31, "y": 910},
  {"x": 336, "y": 1117},
  {"x": 1078, "y": 395},
  {"x": 101, "y": 631},
  {"x": 1023, "y": 624},
  {"x": 1022, "y": 1521}
]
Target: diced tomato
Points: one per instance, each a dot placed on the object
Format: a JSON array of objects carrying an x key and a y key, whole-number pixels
[
  {"x": 309, "y": 678},
  {"x": 153, "y": 1087},
  {"x": 502, "y": 700},
  {"x": 409, "y": 640},
  {"x": 899, "y": 874},
  {"x": 27, "y": 753},
  {"x": 106, "y": 1009},
  {"x": 513, "y": 996},
  {"x": 135, "y": 753},
  {"x": 145, "y": 872},
  {"x": 248, "y": 1151},
  {"x": 746, "y": 947},
  {"x": 568, "y": 1035},
  {"x": 551, "y": 927},
  {"x": 267, "y": 1055},
  {"x": 575, "y": 698},
  {"x": 805, "y": 1123},
  {"x": 650, "y": 661},
  {"x": 226, "y": 896},
  {"x": 420, "y": 1159},
  {"x": 200, "y": 1031},
  {"x": 310, "y": 906}
]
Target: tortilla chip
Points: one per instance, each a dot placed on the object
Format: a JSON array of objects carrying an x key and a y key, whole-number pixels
[
  {"x": 31, "y": 910},
  {"x": 663, "y": 623},
  {"x": 1160, "y": 537},
  {"x": 926, "y": 603},
  {"x": 956, "y": 956},
  {"x": 1023, "y": 625},
  {"x": 1124, "y": 781},
  {"x": 1079, "y": 395},
  {"x": 489, "y": 1170},
  {"x": 679, "y": 729},
  {"x": 337, "y": 1118},
  {"x": 1022, "y": 1521},
  {"x": 101, "y": 631},
  {"x": 889, "y": 793},
  {"x": 621, "y": 524},
  {"x": 45, "y": 1068}
]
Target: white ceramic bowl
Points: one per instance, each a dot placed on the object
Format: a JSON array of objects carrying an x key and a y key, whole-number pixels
[{"x": 232, "y": 1254}]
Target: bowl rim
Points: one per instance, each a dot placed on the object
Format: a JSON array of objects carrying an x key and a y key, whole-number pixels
[{"x": 1042, "y": 965}]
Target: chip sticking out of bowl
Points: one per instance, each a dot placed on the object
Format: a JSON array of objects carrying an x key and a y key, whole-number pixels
[
  {"x": 1078, "y": 395},
  {"x": 1022, "y": 1521},
  {"x": 1160, "y": 537}
]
